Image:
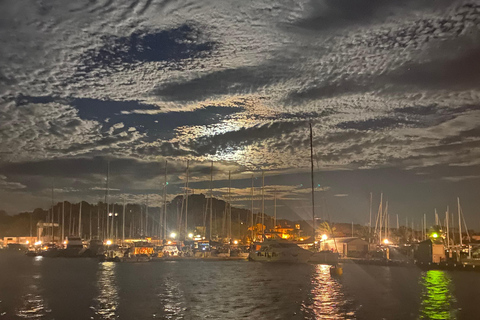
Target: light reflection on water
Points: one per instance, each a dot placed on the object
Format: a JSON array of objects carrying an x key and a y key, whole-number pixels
[
  {"x": 106, "y": 303},
  {"x": 328, "y": 300},
  {"x": 33, "y": 304},
  {"x": 85, "y": 289},
  {"x": 172, "y": 299},
  {"x": 437, "y": 301}
]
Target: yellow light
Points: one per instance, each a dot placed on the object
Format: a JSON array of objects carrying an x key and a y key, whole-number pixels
[
  {"x": 65, "y": 242},
  {"x": 386, "y": 241},
  {"x": 27, "y": 242},
  {"x": 190, "y": 235},
  {"x": 235, "y": 242},
  {"x": 301, "y": 239},
  {"x": 435, "y": 235},
  {"x": 169, "y": 242},
  {"x": 324, "y": 237},
  {"x": 38, "y": 243},
  {"x": 173, "y": 235},
  {"x": 109, "y": 242}
]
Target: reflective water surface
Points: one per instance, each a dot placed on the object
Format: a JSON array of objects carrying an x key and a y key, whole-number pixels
[{"x": 41, "y": 288}]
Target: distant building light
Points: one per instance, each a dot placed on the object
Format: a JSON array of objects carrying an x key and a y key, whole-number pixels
[
  {"x": 386, "y": 241},
  {"x": 324, "y": 237},
  {"x": 173, "y": 235}
]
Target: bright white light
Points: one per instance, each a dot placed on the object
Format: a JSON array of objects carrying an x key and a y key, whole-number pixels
[
  {"x": 27, "y": 242},
  {"x": 38, "y": 243},
  {"x": 110, "y": 214},
  {"x": 324, "y": 237},
  {"x": 190, "y": 235},
  {"x": 235, "y": 242},
  {"x": 173, "y": 235},
  {"x": 65, "y": 242},
  {"x": 169, "y": 242},
  {"x": 386, "y": 241},
  {"x": 109, "y": 242}
]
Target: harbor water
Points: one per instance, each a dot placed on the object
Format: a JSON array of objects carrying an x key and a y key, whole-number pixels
[{"x": 61, "y": 288}]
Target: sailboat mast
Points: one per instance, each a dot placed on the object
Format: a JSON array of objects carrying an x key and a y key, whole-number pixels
[
  {"x": 165, "y": 203},
  {"x": 98, "y": 220},
  {"x": 313, "y": 187},
  {"x": 263, "y": 205},
  {"x": 186, "y": 202},
  {"x": 51, "y": 217},
  {"x": 380, "y": 212},
  {"x": 274, "y": 208},
  {"x": 370, "y": 223},
  {"x": 63, "y": 221},
  {"x": 146, "y": 217},
  {"x": 229, "y": 217},
  {"x": 211, "y": 204},
  {"x": 80, "y": 220},
  {"x": 106, "y": 199},
  {"x": 90, "y": 224},
  {"x": 459, "y": 224},
  {"x": 251, "y": 221},
  {"x": 448, "y": 232},
  {"x": 123, "y": 221}
]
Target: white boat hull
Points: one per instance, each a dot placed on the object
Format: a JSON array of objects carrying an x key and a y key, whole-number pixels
[{"x": 269, "y": 254}]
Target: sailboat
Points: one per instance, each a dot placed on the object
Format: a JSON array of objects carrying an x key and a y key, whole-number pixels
[
  {"x": 320, "y": 256},
  {"x": 276, "y": 250}
]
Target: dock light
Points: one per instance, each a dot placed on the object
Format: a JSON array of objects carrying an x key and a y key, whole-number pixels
[
  {"x": 173, "y": 235},
  {"x": 235, "y": 242},
  {"x": 190, "y": 235},
  {"x": 435, "y": 235},
  {"x": 386, "y": 241},
  {"x": 109, "y": 242},
  {"x": 324, "y": 237}
]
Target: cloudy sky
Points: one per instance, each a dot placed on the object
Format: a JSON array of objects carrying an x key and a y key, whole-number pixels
[{"x": 391, "y": 88}]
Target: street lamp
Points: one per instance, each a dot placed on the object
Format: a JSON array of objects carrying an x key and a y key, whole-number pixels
[
  {"x": 324, "y": 237},
  {"x": 190, "y": 235},
  {"x": 173, "y": 235}
]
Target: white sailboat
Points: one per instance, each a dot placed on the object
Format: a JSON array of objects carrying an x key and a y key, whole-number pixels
[{"x": 278, "y": 250}]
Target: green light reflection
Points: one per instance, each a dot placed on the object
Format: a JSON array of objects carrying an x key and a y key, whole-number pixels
[{"x": 437, "y": 299}]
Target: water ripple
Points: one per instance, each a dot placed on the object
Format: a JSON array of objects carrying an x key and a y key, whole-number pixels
[{"x": 107, "y": 301}]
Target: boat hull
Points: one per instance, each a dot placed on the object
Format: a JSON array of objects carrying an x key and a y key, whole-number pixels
[{"x": 290, "y": 256}]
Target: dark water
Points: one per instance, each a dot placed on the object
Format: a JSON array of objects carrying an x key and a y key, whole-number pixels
[{"x": 36, "y": 288}]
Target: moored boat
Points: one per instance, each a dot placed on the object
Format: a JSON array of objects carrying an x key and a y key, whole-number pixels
[{"x": 278, "y": 251}]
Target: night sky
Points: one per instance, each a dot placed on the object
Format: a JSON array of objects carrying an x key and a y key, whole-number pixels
[{"x": 392, "y": 89}]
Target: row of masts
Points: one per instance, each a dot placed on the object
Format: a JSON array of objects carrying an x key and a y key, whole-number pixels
[
  {"x": 383, "y": 227},
  {"x": 107, "y": 220}
]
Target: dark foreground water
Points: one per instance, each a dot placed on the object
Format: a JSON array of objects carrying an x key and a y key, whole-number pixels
[{"x": 42, "y": 288}]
